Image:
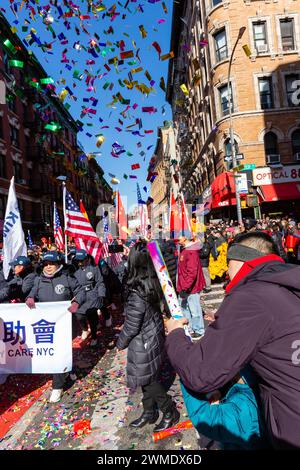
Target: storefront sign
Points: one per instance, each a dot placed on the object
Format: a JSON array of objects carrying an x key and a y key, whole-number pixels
[
  {"x": 267, "y": 175},
  {"x": 223, "y": 203},
  {"x": 242, "y": 184}
]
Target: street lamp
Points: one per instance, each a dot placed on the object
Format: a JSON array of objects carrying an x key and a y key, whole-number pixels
[{"x": 233, "y": 150}]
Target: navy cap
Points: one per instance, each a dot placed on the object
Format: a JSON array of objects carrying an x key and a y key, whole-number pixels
[
  {"x": 72, "y": 250},
  {"x": 81, "y": 255},
  {"x": 21, "y": 261},
  {"x": 53, "y": 256}
]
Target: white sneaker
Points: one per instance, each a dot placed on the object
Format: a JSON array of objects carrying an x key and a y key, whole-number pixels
[
  {"x": 108, "y": 322},
  {"x": 85, "y": 335},
  {"x": 56, "y": 395},
  {"x": 93, "y": 343}
]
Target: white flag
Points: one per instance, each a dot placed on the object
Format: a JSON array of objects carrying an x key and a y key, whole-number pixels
[{"x": 13, "y": 236}]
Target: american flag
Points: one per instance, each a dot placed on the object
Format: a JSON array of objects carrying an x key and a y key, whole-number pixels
[
  {"x": 105, "y": 253},
  {"x": 78, "y": 227},
  {"x": 115, "y": 258},
  {"x": 30, "y": 242},
  {"x": 58, "y": 233}
]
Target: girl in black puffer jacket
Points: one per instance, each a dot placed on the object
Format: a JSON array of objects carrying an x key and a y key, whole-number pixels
[{"x": 143, "y": 334}]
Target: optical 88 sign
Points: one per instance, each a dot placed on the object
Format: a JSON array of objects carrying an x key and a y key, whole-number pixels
[{"x": 267, "y": 175}]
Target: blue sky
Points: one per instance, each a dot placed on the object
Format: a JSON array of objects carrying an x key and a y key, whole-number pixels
[{"x": 157, "y": 25}]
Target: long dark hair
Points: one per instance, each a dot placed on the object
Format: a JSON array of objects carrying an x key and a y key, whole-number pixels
[{"x": 141, "y": 273}]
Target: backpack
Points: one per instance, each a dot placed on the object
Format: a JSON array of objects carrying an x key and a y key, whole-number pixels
[{"x": 205, "y": 251}]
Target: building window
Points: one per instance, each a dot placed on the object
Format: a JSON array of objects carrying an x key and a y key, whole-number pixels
[
  {"x": 14, "y": 136},
  {"x": 296, "y": 143},
  {"x": 228, "y": 153},
  {"x": 292, "y": 82},
  {"x": 271, "y": 143},
  {"x": 287, "y": 34},
  {"x": 223, "y": 92},
  {"x": 2, "y": 207},
  {"x": 2, "y": 166},
  {"x": 221, "y": 45},
  {"x": 266, "y": 93},
  {"x": 227, "y": 147},
  {"x": 260, "y": 37},
  {"x": 21, "y": 207},
  {"x": 17, "y": 172}
]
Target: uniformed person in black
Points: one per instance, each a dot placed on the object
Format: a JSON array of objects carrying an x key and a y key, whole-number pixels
[
  {"x": 55, "y": 285},
  {"x": 90, "y": 278},
  {"x": 18, "y": 288}
]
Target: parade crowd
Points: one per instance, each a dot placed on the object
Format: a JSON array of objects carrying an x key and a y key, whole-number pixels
[{"x": 238, "y": 368}]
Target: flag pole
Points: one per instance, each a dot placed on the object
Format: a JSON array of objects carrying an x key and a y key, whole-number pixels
[
  {"x": 65, "y": 221},
  {"x": 170, "y": 214}
]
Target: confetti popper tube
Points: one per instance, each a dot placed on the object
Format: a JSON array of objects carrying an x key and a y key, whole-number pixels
[
  {"x": 164, "y": 279},
  {"x": 157, "y": 436}
]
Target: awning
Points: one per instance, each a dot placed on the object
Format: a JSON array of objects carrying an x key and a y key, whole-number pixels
[
  {"x": 280, "y": 191},
  {"x": 223, "y": 190}
]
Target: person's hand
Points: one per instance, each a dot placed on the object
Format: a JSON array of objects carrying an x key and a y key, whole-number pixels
[
  {"x": 30, "y": 302},
  {"x": 73, "y": 307},
  {"x": 172, "y": 324}
]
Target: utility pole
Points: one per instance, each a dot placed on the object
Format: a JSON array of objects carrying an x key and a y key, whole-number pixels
[{"x": 232, "y": 143}]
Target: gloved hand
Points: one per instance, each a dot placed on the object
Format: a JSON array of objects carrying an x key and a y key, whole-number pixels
[
  {"x": 73, "y": 307},
  {"x": 30, "y": 302}
]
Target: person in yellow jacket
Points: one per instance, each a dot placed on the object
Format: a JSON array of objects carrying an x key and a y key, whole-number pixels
[{"x": 218, "y": 257}]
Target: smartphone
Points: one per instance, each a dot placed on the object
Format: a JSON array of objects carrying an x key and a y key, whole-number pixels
[{"x": 115, "y": 248}]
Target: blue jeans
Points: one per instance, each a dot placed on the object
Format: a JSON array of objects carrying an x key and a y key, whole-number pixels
[{"x": 191, "y": 309}]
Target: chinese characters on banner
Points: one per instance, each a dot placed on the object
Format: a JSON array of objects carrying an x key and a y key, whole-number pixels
[{"x": 37, "y": 340}]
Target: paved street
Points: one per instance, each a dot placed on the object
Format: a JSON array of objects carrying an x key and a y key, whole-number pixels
[{"x": 100, "y": 396}]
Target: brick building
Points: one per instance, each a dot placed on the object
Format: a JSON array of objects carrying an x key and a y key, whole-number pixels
[
  {"x": 165, "y": 166},
  {"x": 265, "y": 100},
  {"x": 38, "y": 142}
]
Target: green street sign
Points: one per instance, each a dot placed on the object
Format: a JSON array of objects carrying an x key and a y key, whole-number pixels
[{"x": 249, "y": 166}]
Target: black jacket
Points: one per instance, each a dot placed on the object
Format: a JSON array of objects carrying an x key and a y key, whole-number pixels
[
  {"x": 58, "y": 288},
  {"x": 18, "y": 287},
  {"x": 168, "y": 252},
  {"x": 91, "y": 280},
  {"x": 278, "y": 238},
  {"x": 204, "y": 254},
  {"x": 111, "y": 280},
  {"x": 144, "y": 336}
]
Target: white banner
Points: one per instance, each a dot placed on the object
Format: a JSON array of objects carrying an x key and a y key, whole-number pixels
[
  {"x": 35, "y": 340},
  {"x": 267, "y": 175},
  {"x": 13, "y": 236}
]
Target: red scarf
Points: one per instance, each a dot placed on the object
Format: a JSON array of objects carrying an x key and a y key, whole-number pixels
[{"x": 248, "y": 266}]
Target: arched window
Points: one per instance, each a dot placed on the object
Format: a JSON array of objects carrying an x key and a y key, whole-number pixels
[
  {"x": 296, "y": 142},
  {"x": 227, "y": 147},
  {"x": 271, "y": 143}
]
